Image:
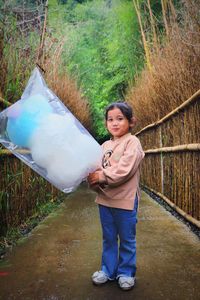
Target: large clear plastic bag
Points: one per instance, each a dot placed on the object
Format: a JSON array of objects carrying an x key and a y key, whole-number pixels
[{"x": 46, "y": 136}]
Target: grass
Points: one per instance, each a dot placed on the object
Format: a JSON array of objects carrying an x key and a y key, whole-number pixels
[{"x": 16, "y": 234}]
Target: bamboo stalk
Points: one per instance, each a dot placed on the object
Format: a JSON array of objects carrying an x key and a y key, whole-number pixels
[
  {"x": 5, "y": 102},
  {"x": 153, "y": 27},
  {"x": 164, "y": 8},
  {"x": 173, "y": 11},
  {"x": 40, "y": 51},
  {"x": 178, "y": 148},
  {"x": 23, "y": 19},
  {"x": 161, "y": 161},
  {"x": 8, "y": 152},
  {"x": 146, "y": 49},
  {"x": 192, "y": 99},
  {"x": 175, "y": 207}
]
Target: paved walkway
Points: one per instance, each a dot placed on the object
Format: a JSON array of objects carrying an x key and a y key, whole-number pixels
[{"x": 58, "y": 258}]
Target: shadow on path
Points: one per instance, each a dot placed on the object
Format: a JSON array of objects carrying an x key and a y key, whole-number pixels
[{"x": 56, "y": 261}]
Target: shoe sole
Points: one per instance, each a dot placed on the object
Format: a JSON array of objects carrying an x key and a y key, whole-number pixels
[
  {"x": 126, "y": 288},
  {"x": 99, "y": 283}
]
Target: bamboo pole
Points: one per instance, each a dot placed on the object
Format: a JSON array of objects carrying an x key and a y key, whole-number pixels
[
  {"x": 175, "y": 207},
  {"x": 153, "y": 27},
  {"x": 164, "y": 8},
  {"x": 7, "y": 152},
  {"x": 173, "y": 11},
  {"x": 178, "y": 148},
  {"x": 146, "y": 49},
  {"x": 161, "y": 161},
  {"x": 188, "y": 102},
  {"x": 40, "y": 51},
  {"x": 7, "y": 103}
]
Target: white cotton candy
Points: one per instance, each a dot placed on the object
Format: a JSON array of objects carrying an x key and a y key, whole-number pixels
[
  {"x": 67, "y": 154},
  {"x": 50, "y": 137},
  {"x": 89, "y": 151},
  {"x": 65, "y": 171}
]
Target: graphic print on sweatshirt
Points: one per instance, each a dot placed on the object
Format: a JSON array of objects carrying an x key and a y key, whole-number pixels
[{"x": 105, "y": 159}]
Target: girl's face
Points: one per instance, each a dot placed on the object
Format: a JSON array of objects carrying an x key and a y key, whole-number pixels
[{"x": 116, "y": 123}]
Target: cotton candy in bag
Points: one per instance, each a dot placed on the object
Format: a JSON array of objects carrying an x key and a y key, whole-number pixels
[{"x": 44, "y": 134}]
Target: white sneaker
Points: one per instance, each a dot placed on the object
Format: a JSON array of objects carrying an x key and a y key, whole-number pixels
[
  {"x": 126, "y": 283},
  {"x": 99, "y": 278}
]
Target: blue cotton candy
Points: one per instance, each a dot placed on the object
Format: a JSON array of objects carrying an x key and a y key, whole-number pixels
[{"x": 25, "y": 117}]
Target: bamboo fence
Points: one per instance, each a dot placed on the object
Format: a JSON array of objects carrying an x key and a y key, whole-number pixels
[
  {"x": 21, "y": 191},
  {"x": 172, "y": 158}
]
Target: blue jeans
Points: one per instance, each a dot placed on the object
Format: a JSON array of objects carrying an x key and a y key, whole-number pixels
[{"x": 119, "y": 259}]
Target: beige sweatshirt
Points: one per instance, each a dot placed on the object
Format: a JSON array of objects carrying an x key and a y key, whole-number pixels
[{"x": 119, "y": 173}]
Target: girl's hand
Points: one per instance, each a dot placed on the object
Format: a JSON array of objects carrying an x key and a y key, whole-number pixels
[{"x": 93, "y": 178}]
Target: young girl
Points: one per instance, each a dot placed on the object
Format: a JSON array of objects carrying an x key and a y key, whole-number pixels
[{"x": 117, "y": 186}]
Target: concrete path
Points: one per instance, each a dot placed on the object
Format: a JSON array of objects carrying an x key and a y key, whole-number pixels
[{"x": 56, "y": 261}]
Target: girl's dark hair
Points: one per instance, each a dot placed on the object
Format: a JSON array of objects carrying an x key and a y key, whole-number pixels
[{"x": 125, "y": 108}]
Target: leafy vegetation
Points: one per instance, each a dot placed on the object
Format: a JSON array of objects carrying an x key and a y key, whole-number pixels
[
  {"x": 102, "y": 50},
  {"x": 19, "y": 40}
]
